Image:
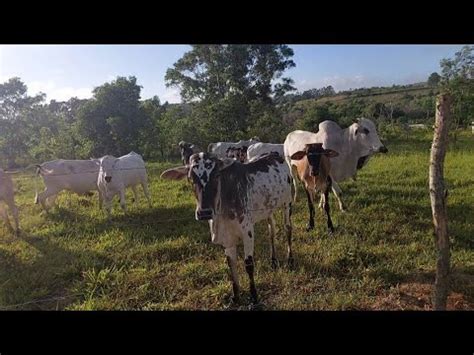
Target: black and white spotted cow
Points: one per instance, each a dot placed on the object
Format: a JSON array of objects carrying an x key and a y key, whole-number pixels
[{"x": 233, "y": 197}]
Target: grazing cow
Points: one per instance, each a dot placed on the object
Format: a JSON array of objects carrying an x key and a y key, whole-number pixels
[
  {"x": 258, "y": 149},
  {"x": 187, "y": 149},
  {"x": 7, "y": 195},
  {"x": 220, "y": 148},
  {"x": 355, "y": 145},
  {"x": 79, "y": 176},
  {"x": 116, "y": 174},
  {"x": 233, "y": 197},
  {"x": 239, "y": 154},
  {"x": 314, "y": 172}
]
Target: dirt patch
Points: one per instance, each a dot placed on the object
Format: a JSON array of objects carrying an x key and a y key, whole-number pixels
[{"x": 416, "y": 296}]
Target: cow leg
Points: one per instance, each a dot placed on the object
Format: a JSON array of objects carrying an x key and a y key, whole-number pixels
[
  {"x": 288, "y": 231},
  {"x": 42, "y": 196},
  {"x": 271, "y": 231},
  {"x": 231, "y": 256},
  {"x": 321, "y": 202},
  {"x": 326, "y": 206},
  {"x": 338, "y": 193},
  {"x": 122, "y": 200},
  {"x": 135, "y": 195},
  {"x": 14, "y": 211},
  {"x": 248, "y": 239},
  {"x": 101, "y": 200},
  {"x": 146, "y": 192},
  {"x": 309, "y": 195},
  {"x": 4, "y": 215}
]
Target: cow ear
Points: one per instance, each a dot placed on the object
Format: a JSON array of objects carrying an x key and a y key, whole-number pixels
[
  {"x": 298, "y": 155},
  {"x": 225, "y": 163},
  {"x": 175, "y": 173},
  {"x": 330, "y": 153}
]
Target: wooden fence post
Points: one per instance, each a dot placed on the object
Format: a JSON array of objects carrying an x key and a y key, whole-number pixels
[{"x": 438, "y": 195}]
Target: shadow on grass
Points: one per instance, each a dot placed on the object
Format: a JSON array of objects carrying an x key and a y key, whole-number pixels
[{"x": 50, "y": 275}]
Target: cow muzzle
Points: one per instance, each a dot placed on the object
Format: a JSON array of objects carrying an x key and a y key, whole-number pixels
[
  {"x": 108, "y": 178},
  {"x": 204, "y": 214},
  {"x": 383, "y": 149}
]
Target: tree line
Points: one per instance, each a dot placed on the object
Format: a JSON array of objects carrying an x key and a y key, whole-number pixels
[{"x": 229, "y": 92}]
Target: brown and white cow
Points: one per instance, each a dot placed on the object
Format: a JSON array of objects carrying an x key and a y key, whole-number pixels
[
  {"x": 235, "y": 196},
  {"x": 237, "y": 153},
  {"x": 186, "y": 149},
  {"x": 7, "y": 195},
  {"x": 313, "y": 167}
]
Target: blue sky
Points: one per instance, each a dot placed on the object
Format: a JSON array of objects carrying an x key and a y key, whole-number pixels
[{"x": 63, "y": 71}]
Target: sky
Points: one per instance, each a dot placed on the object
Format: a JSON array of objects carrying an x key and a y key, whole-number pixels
[{"x": 65, "y": 71}]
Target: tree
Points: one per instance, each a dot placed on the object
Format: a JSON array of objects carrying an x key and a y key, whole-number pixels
[
  {"x": 15, "y": 134},
  {"x": 434, "y": 79},
  {"x": 458, "y": 80},
  {"x": 226, "y": 81},
  {"x": 112, "y": 120}
]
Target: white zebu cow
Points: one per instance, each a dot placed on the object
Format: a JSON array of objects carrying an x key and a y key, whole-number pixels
[
  {"x": 79, "y": 176},
  {"x": 220, "y": 148},
  {"x": 355, "y": 145},
  {"x": 116, "y": 174},
  {"x": 7, "y": 195},
  {"x": 233, "y": 197},
  {"x": 258, "y": 149}
]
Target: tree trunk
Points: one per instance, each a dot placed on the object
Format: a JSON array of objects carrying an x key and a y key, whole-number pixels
[{"x": 438, "y": 195}]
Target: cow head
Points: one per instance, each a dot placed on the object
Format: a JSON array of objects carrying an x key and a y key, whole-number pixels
[
  {"x": 203, "y": 171},
  {"x": 186, "y": 151},
  {"x": 107, "y": 167},
  {"x": 365, "y": 134},
  {"x": 239, "y": 154},
  {"x": 313, "y": 152}
]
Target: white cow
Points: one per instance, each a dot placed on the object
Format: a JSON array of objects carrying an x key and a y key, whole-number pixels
[
  {"x": 7, "y": 195},
  {"x": 258, "y": 149},
  {"x": 116, "y": 174},
  {"x": 355, "y": 145},
  {"x": 79, "y": 176},
  {"x": 233, "y": 197},
  {"x": 220, "y": 148}
]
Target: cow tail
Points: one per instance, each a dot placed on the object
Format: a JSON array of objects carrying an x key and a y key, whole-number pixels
[{"x": 294, "y": 182}]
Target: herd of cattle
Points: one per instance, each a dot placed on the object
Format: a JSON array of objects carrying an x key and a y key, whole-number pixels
[{"x": 235, "y": 184}]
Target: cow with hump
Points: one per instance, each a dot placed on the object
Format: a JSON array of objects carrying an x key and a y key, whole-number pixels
[
  {"x": 355, "y": 145},
  {"x": 79, "y": 176},
  {"x": 233, "y": 197}
]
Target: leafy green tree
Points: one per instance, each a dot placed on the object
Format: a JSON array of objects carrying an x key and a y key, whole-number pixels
[
  {"x": 112, "y": 120},
  {"x": 458, "y": 79},
  {"x": 226, "y": 81},
  {"x": 15, "y": 103},
  {"x": 434, "y": 79}
]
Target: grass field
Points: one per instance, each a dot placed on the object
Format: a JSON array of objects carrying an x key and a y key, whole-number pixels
[{"x": 381, "y": 256}]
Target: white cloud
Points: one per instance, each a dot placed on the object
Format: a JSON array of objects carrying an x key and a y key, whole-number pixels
[
  {"x": 58, "y": 93},
  {"x": 171, "y": 95}
]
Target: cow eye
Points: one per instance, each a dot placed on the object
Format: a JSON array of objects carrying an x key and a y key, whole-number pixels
[{"x": 366, "y": 131}]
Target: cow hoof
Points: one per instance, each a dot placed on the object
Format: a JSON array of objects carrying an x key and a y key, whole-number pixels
[
  {"x": 274, "y": 263},
  {"x": 309, "y": 227},
  {"x": 291, "y": 263},
  {"x": 331, "y": 231},
  {"x": 256, "y": 306}
]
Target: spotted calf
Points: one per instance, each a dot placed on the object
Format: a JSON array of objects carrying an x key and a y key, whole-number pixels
[{"x": 233, "y": 197}]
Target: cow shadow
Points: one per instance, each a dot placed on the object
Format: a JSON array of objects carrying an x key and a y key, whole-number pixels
[{"x": 46, "y": 282}]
